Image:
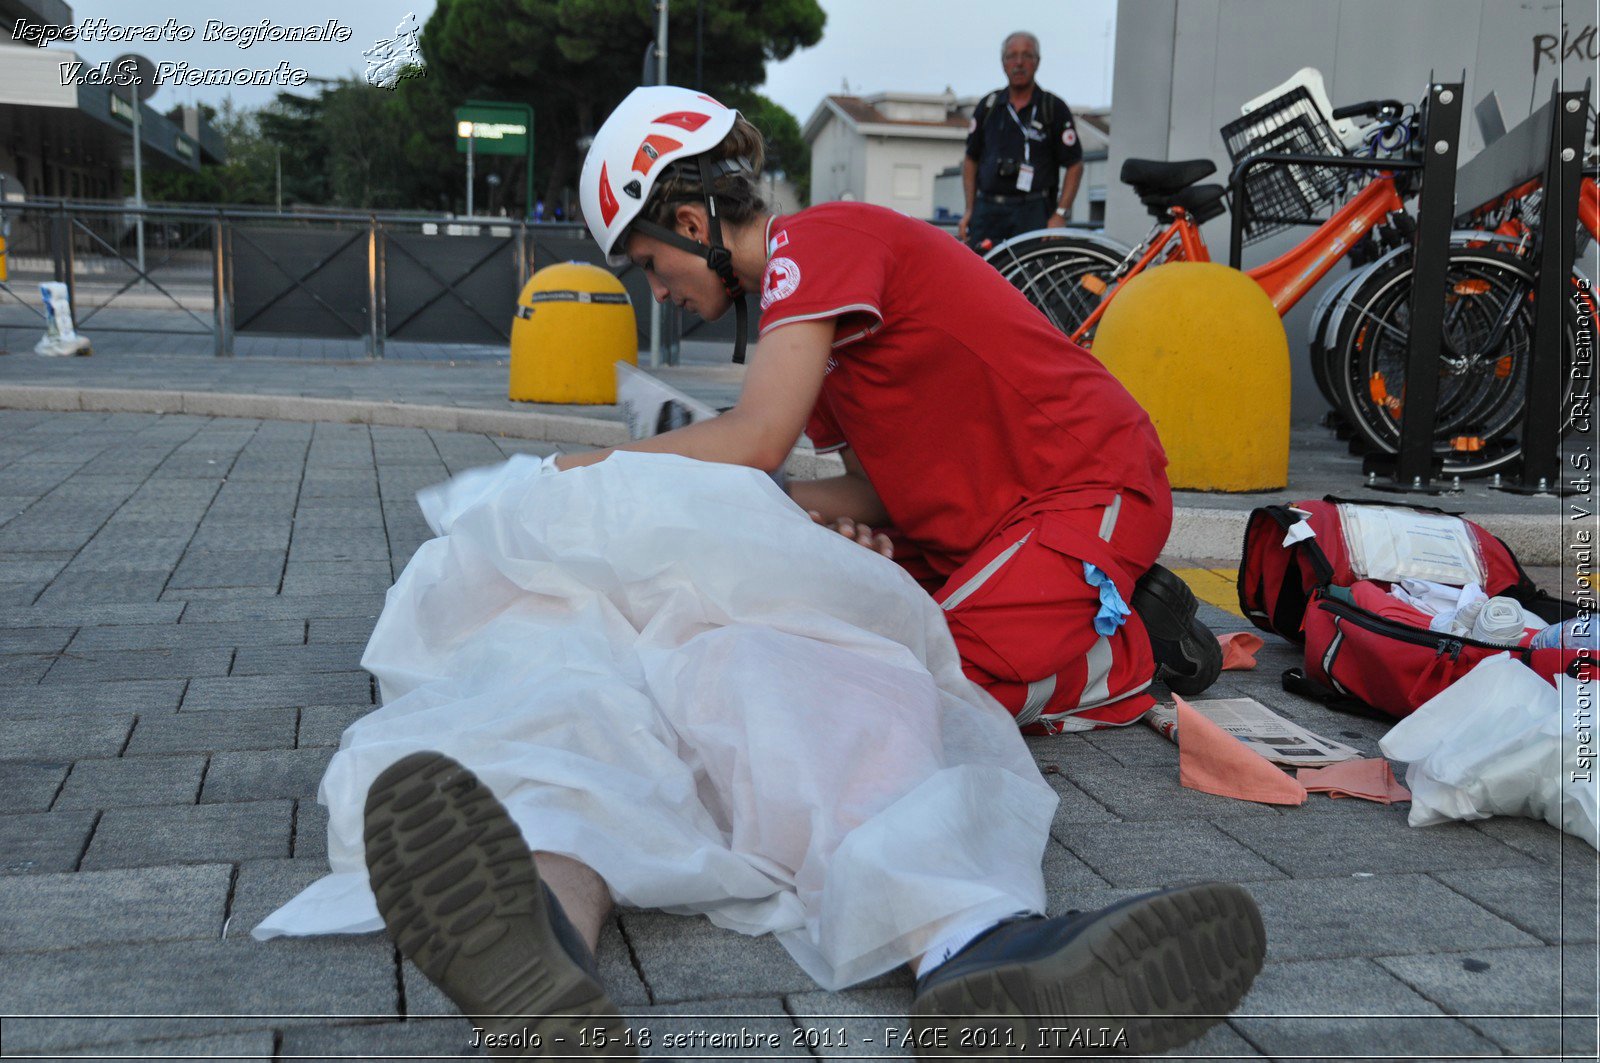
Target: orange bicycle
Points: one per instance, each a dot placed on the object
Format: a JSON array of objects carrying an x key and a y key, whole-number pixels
[{"x": 1361, "y": 329}]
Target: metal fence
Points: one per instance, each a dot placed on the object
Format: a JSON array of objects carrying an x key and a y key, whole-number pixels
[{"x": 238, "y": 271}]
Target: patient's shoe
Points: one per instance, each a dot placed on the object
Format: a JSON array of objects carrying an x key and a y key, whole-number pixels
[
  {"x": 1188, "y": 656},
  {"x": 1142, "y": 976},
  {"x": 459, "y": 893}
]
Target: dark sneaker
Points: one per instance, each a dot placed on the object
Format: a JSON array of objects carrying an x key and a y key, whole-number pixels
[
  {"x": 1142, "y": 976},
  {"x": 1188, "y": 656},
  {"x": 460, "y": 895}
]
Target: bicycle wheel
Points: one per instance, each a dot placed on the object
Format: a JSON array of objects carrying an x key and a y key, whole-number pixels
[
  {"x": 1064, "y": 276},
  {"x": 1483, "y": 360},
  {"x": 1325, "y": 318}
]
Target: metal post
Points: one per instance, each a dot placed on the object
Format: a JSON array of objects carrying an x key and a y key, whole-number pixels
[
  {"x": 1413, "y": 465},
  {"x": 375, "y": 300},
  {"x": 219, "y": 291},
  {"x": 228, "y": 263},
  {"x": 138, "y": 181},
  {"x": 472, "y": 139},
  {"x": 68, "y": 264},
  {"x": 1542, "y": 415},
  {"x": 661, "y": 79}
]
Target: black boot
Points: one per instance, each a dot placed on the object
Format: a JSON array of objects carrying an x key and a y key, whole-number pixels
[{"x": 1188, "y": 656}]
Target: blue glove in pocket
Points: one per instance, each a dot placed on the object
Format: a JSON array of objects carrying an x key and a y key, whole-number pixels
[{"x": 1113, "y": 610}]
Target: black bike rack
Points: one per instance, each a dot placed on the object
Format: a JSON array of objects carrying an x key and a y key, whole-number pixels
[
  {"x": 1413, "y": 467},
  {"x": 1542, "y": 416}
]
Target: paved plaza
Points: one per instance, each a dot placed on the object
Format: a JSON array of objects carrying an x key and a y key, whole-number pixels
[{"x": 184, "y": 601}]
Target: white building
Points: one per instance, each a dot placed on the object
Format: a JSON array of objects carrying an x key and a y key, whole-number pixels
[
  {"x": 904, "y": 150},
  {"x": 885, "y": 149}
]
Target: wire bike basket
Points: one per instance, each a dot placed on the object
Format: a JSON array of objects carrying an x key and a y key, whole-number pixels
[{"x": 1276, "y": 197}]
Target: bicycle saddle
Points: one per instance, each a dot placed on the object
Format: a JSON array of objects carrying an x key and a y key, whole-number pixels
[
  {"x": 1201, "y": 202},
  {"x": 1153, "y": 177}
]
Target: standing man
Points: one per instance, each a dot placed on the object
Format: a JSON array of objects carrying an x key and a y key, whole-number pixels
[{"x": 1017, "y": 142}]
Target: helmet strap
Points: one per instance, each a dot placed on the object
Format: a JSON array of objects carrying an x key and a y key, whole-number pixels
[{"x": 718, "y": 258}]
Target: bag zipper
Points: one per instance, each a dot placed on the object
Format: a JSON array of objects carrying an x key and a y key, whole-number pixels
[{"x": 1454, "y": 645}]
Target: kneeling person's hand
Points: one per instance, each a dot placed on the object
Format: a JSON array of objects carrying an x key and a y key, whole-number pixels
[{"x": 861, "y": 533}]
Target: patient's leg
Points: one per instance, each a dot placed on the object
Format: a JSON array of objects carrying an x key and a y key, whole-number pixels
[{"x": 582, "y": 893}]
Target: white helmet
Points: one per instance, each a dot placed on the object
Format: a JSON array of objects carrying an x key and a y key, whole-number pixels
[{"x": 648, "y": 131}]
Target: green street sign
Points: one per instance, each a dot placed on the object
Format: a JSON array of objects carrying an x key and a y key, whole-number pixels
[{"x": 495, "y": 128}]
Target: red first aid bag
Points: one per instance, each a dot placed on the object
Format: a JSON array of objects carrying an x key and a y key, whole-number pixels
[{"x": 1304, "y": 577}]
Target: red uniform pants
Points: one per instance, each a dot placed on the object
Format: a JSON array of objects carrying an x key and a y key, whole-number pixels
[{"x": 1022, "y": 612}]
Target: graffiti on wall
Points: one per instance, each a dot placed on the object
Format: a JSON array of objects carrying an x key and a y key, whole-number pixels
[{"x": 1575, "y": 44}]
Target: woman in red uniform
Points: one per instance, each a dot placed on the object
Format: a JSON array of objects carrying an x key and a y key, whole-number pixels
[
  {"x": 1003, "y": 466},
  {"x": 998, "y": 462}
]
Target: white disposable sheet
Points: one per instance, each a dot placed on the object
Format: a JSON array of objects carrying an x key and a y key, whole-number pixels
[
  {"x": 1502, "y": 741},
  {"x": 665, "y": 670}
]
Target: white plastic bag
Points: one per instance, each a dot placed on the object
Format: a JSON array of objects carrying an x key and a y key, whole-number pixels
[
  {"x": 60, "y": 336},
  {"x": 1501, "y": 741},
  {"x": 665, "y": 670}
]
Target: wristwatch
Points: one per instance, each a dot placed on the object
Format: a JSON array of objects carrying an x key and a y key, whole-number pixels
[{"x": 1063, "y": 212}]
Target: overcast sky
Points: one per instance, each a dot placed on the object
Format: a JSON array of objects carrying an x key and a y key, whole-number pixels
[{"x": 875, "y": 45}]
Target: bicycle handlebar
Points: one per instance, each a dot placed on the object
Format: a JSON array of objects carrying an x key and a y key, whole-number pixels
[{"x": 1371, "y": 108}]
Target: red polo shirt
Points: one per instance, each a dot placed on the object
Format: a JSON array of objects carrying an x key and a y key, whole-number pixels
[{"x": 967, "y": 409}]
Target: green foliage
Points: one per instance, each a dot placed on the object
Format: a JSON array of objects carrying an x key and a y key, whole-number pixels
[{"x": 356, "y": 146}]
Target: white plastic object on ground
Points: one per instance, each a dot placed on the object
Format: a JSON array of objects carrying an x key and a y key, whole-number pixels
[
  {"x": 1501, "y": 741},
  {"x": 60, "y": 335},
  {"x": 665, "y": 670}
]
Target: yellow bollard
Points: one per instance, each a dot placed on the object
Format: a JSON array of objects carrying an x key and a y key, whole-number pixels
[
  {"x": 1202, "y": 349},
  {"x": 574, "y": 323}
]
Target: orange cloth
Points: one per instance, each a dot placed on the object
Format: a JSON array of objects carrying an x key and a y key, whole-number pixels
[
  {"x": 1212, "y": 760},
  {"x": 1369, "y": 779},
  {"x": 1239, "y": 650}
]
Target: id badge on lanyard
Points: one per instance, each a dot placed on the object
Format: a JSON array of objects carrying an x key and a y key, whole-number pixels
[{"x": 1025, "y": 170}]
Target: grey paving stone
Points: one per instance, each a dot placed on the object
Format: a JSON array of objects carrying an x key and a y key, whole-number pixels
[
  {"x": 859, "y": 1021},
  {"x": 1372, "y": 838},
  {"x": 195, "y": 594},
  {"x": 310, "y": 831},
  {"x": 131, "y": 551},
  {"x": 233, "y": 568},
  {"x": 189, "y": 636},
  {"x": 357, "y": 546},
  {"x": 1066, "y": 878},
  {"x": 684, "y": 1032},
  {"x": 260, "y": 775},
  {"x": 65, "y": 738},
  {"x": 1385, "y": 914},
  {"x": 411, "y": 1039},
  {"x": 43, "y": 842},
  {"x": 686, "y": 958},
  {"x": 69, "y": 911},
  {"x": 1137, "y": 745},
  {"x": 29, "y": 786},
  {"x": 193, "y": 834},
  {"x": 1556, "y": 903},
  {"x": 256, "y": 1045},
  {"x": 1136, "y": 792},
  {"x": 227, "y": 536},
  {"x": 337, "y": 577},
  {"x": 1539, "y": 840},
  {"x": 276, "y": 985},
  {"x": 73, "y": 616},
  {"x": 298, "y": 660},
  {"x": 24, "y": 669},
  {"x": 1332, "y": 1008},
  {"x": 262, "y": 887},
  {"x": 188, "y": 732},
  {"x": 134, "y": 695},
  {"x": 102, "y": 586},
  {"x": 132, "y": 782},
  {"x": 345, "y": 629},
  {"x": 32, "y": 570},
  {"x": 336, "y": 517},
  {"x": 1164, "y": 854},
  {"x": 1075, "y": 805},
  {"x": 324, "y": 725},
  {"x": 272, "y": 691},
  {"x": 80, "y": 666},
  {"x": 1492, "y": 988},
  {"x": 288, "y": 607}
]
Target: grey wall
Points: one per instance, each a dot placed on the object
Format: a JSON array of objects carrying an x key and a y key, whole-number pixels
[{"x": 1184, "y": 67}]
